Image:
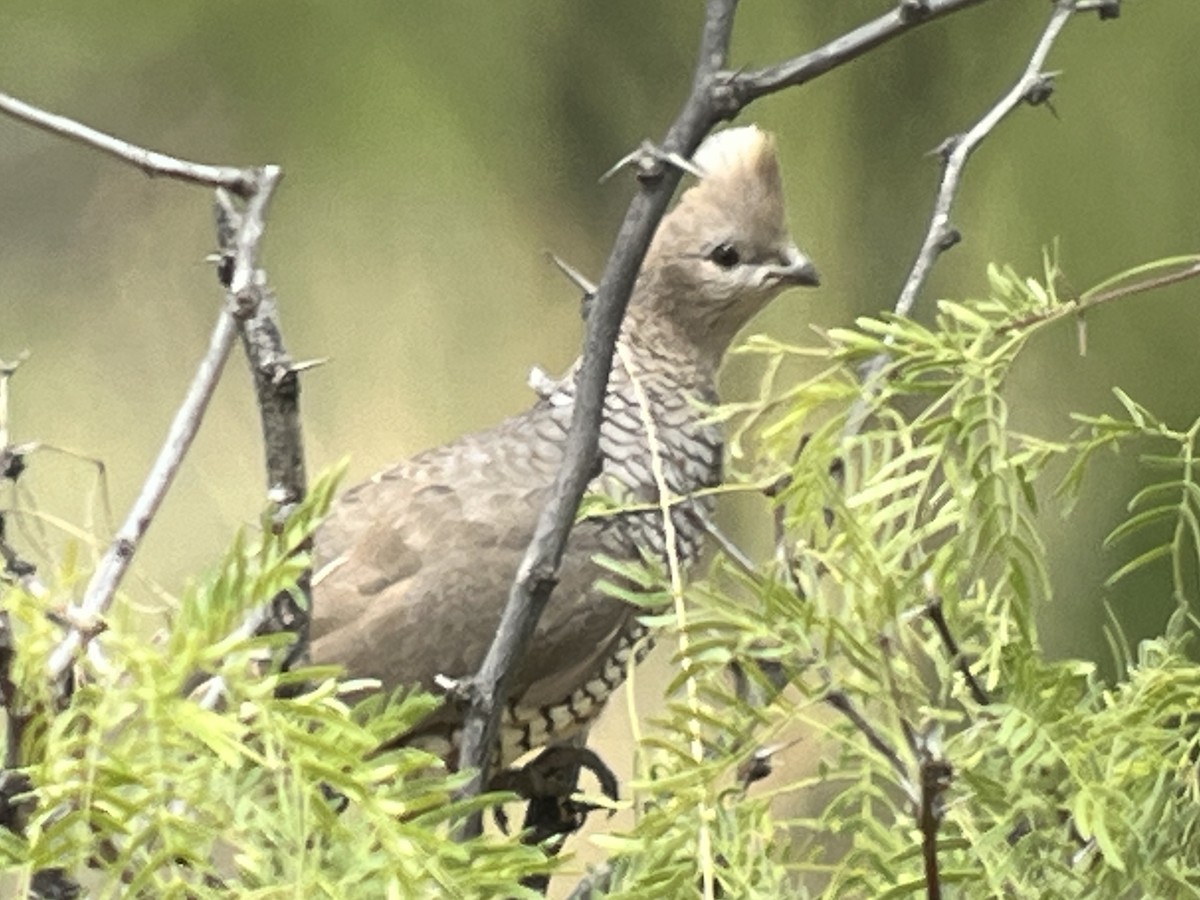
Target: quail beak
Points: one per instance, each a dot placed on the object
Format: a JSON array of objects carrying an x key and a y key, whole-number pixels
[{"x": 796, "y": 269}]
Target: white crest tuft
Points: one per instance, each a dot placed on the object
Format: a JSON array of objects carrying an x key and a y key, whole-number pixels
[{"x": 722, "y": 150}]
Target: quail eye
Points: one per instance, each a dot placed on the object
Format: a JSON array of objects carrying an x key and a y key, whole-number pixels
[{"x": 725, "y": 255}]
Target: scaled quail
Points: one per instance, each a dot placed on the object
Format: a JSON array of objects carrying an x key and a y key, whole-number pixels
[{"x": 414, "y": 565}]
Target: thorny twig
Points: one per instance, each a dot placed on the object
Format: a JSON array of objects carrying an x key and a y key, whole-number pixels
[
  {"x": 245, "y": 283},
  {"x": 84, "y": 619},
  {"x": 1034, "y": 86}
]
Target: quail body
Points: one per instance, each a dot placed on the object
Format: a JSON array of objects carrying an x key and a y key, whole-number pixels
[{"x": 414, "y": 565}]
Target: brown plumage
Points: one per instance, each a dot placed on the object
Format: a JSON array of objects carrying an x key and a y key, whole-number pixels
[{"x": 414, "y": 565}]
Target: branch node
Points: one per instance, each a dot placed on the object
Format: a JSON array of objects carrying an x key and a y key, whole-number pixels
[
  {"x": 778, "y": 486},
  {"x": 913, "y": 11},
  {"x": 760, "y": 765},
  {"x": 456, "y": 690},
  {"x": 12, "y": 462},
  {"x": 948, "y": 237},
  {"x": 946, "y": 148},
  {"x": 280, "y": 373},
  {"x": 245, "y": 304},
  {"x": 89, "y": 627},
  {"x": 1106, "y": 9},
  {"x": 725, "y": 95},
  {"x": 279, "y": 495},
  {"x": 1041, "y": 90},
  {"x": 648, "y": 160}
]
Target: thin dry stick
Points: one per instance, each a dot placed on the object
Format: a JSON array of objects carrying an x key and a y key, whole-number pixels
[
  {"x": 242, "y": 182},
  {"x": 246, "y": 279},
  {"x": 245, "y": 283},
  {"x": 84, "y": 618}
]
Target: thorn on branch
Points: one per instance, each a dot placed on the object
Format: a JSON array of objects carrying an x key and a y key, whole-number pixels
[
  {"x": 647, "y": 162},
  {"x": 760, "y": 765},
  {"x": 1041, "y": 90},
  {"x": 240, "y": 226},
  {"x": 1033, "y": 84},
  {"x": 724, "y": 94},
  {"x": 226, "y": 237},
  {"x": 8, "y": 369},
  {"x": 756, "y": 768},
  {"x": 457, "y": 690},
  {"x": 224, "y": 264},
  {"x": 16, "y": 569},
  {"x": 307, "y": 364},
  {"x": 946, "y": 148},
  {"x": 577, "y": 278},
  {"x": 531, "y": 588}
]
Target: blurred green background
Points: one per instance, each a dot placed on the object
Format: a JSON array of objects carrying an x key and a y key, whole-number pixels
[{"x": 432, "y": 153}]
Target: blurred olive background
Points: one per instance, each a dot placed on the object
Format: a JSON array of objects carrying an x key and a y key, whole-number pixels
[{"x": 434, "y": 151}]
